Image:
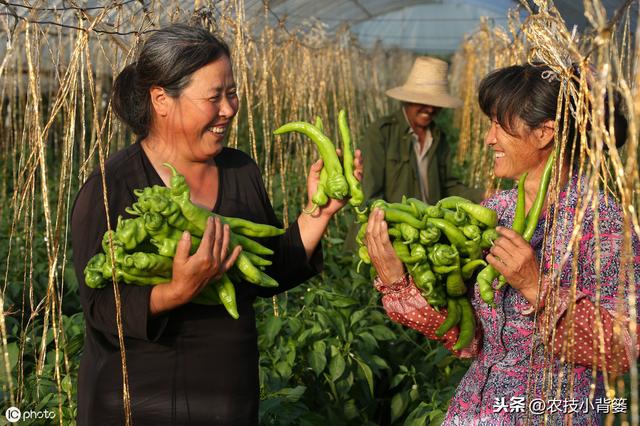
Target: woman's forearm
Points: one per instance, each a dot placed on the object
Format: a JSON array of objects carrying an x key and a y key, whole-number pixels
[
  {"x": 312, "y": 228},
  {"x": 162, "y": 299},
  {"x": 592, "y": 336}
]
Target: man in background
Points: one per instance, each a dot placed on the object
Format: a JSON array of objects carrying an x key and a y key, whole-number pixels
[{"x": 405, "y": 153}]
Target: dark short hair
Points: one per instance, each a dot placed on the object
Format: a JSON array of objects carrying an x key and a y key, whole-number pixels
[
  {"x": 529, "y": 92},
  {"x": 167, "y": 59}
]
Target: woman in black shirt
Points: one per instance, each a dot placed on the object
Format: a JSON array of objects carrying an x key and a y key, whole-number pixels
[{"x": 186, "y": 363}]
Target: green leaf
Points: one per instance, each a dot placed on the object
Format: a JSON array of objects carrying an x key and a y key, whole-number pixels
[
  {"x": 382, "y": 332},
  {"x": 380, "y": 362},
  {"x": 342, "y": 301},
  {"x": 357, "y": 316},
  {"x": 336, "y": 367},
  {"x": 317, "y": 358},
  {"x": 399, "y": 404},
  {"x": 350, "y": 409},
  {"x": 284, "y": 369},
  {"x": 290, "y": 394},
  {"x": 436, "y": 417},
  {"x": 368, "y": 340},
  {"x": 368, "y": 374},
  {"x": 272, "y": 327},
  {"x": 13, "y": 352},
  {"x": 396, "y": 380},
  {"x": 418, "y": 417}
]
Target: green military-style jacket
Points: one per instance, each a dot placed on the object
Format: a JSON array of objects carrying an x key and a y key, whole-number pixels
[{"x": 391, "y": 165}]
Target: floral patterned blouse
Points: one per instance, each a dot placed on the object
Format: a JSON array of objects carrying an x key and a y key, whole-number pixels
[{"x": 516, "y": 376}]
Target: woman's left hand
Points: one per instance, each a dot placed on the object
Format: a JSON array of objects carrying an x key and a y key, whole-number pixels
[
  {"x": 514, "y": 258},
  {"x": 313, "y": 179}
]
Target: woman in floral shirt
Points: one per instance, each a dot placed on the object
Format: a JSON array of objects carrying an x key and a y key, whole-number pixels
[{"x": 517, "y": 376}]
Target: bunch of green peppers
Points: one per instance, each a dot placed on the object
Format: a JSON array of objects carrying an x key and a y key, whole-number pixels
[
  {"x": 441, "y": 247},
  {"x": 140, "y": 250},
  {"x": 336, "y": 180}
]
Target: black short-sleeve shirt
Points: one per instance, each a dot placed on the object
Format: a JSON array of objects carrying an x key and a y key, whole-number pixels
[{"x": 194, "y": 365}]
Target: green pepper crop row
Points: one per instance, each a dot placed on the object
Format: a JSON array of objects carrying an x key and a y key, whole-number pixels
[
  {"x": 140, "y": 250},
  {"x": 337, "y": 181}
]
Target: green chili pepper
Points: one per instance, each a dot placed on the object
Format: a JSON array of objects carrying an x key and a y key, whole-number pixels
[
  {"x": 425, "y": 209},
  {"x": 430, "y": 235},
  {"x": 467, "y": 324},
  {"x": 152, "y": 263},
  {"x": 488, "y": 237},
  {"x": 424, "y": 278},
  {"x": 249, "y": 245},
  {"x": 130, "y": 232},
  {"x": 486, "y": 216},
  {"x": 131, "y": 278},
  {"x": 93, "y": 271},
  {"x": 257, "y": 260},
  {"x": 198, "y": 216},
  {"x": 458, "y": 218},
  {"x": 455, "y": 284},
  {"x": 485, "y": 284},
  {"x": 397, "y": 216},
  {"x": 320, "y": 198},
  {"x": 363, "y": 253},
  {"x": 520, "y": 216},
  {"x": 251, "y": 273},
  {"x": 409, "y": 233},
  {"x": 443, "y": 270},
  {"x": 355, "y": 189},
  {"x": 227, "y": 295},
  {"x": 443, "y": 255},
  {"x": 403, "y": 253},
  {"x": 518, "y": 221},
  {"x": 361, "y": 233},
  {"x": 472, "y": 232},
  {"x": 471, "y": 249},
  {"x": 418, "y": 251},
  {"x": 453, "y": 234},
  {"x": 452, "y": 202},
  {"x": 394, "y": 232},
  {"x": 469, "y": 267},
  {"x": 167, "y": 246},
  {"x": 453, "y": 317},
  {"x": 438, "y": 298},
  {"x": 405, "y": 208},
  {"x": 337, "y": 185},
  {"x": 362, "y": 215},
  {"x": 208, "y": 296},
  {"x": 536, "y": 208}
]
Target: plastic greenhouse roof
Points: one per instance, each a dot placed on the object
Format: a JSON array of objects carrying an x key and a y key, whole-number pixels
[
  {"x": 425, "y": 26},
  {"x": 433, "y": 26}
]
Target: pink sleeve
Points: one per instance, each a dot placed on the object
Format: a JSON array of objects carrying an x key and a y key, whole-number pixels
[
  {"x": 405, "y": 305},
  {"x": 579, "y": 328}
]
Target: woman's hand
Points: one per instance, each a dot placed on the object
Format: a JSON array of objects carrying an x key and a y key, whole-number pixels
[
  {"x": 514, "y": 258},
  {"x": 312, "y": 225},
  {"x": 313, "y": 179},
  {"x": 383, "y": 257},
  {"x": 192, "y": 273}
]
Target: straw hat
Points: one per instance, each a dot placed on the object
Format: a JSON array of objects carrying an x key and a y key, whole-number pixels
[{"x": 427, "y": 84}]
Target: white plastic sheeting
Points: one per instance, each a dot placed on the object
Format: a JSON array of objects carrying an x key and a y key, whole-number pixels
[{"x": 436, "y": 26}]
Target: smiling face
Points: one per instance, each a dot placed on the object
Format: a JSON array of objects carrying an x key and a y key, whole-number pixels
[
  {"x": 200, "y": 117},
  {"x": 519, "y": 150},
  {"x": 420, "y": 115}
]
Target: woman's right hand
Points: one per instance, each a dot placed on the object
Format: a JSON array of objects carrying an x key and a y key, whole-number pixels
[
  {"x": 383, "y": 257},
  {"x": 192, "y": 273}
]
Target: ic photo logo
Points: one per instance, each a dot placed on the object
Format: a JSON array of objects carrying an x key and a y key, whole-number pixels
[{"x": 14, "y": 415}]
